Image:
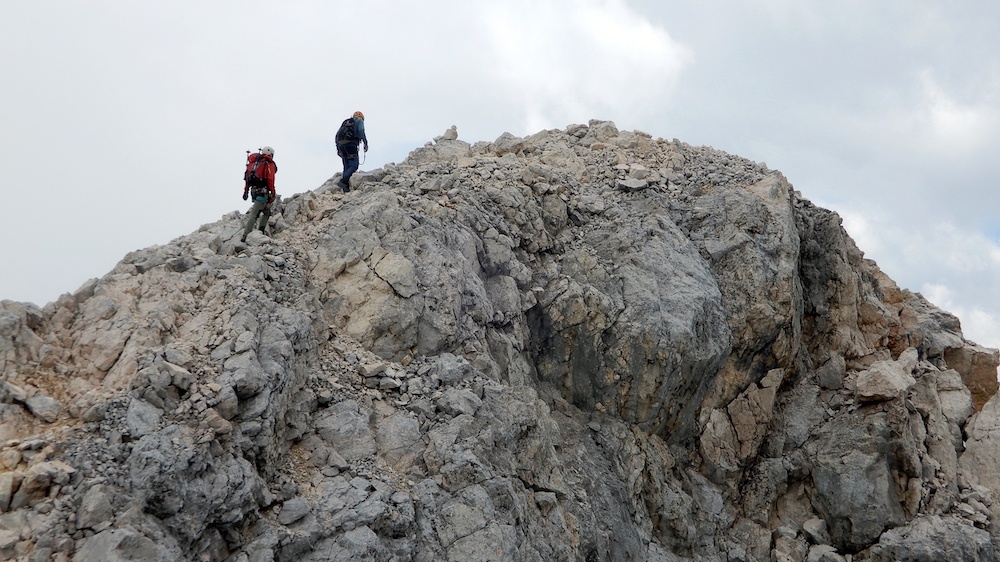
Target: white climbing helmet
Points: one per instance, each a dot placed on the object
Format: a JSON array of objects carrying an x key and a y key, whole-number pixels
[{"x": 267, "y": 150}]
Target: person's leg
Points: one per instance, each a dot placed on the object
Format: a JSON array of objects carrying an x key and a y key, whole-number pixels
[
  {"x": 351, "y": 164},
  {"x": 265, "y": 215},
  {"x": 252, "y": 219},
  {"x": 342, "y": 183}
]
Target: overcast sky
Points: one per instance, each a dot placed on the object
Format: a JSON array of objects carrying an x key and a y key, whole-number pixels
[{"x": 125, "y": 124}]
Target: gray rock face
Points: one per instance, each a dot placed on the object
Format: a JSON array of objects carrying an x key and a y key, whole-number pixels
[
  {"x": 932, "y": 538},
  {"x": 585, "y": 344},
  {"x": 856, "y": 460}
]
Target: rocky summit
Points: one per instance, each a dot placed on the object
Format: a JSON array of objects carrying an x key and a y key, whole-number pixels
[{"x": 585, "y": 344}]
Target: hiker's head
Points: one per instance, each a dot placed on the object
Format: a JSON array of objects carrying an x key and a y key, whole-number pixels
[
  {"x": 267, "y": 151},
  {"x": 359, "y": 115}
]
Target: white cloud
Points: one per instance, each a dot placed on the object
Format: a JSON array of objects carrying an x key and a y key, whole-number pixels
[
  {"x": 863, "y": 233},
  {"x": 565, "y": 61},
  {"x": 945, "y": 124}
]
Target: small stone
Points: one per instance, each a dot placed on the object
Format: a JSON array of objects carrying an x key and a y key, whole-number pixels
[
  {"x": 8, "y": 539},
  {"x": 361, "y": 484},
  {"x": 388, "y": 383},
  {"x": 12, "y": 393},
  {"x": 335, "y": 460},
  {"x": 95, "y": 510},
  {"x": 43, "y": 407},
  {"x": 293, "y": 510},
  {"x": 422, "y": 406},
  {"x": 9, "y": 483},
  {"x": 815, "y": 530},
  {"x": 459, "y": 401},
  {"x": 216, "y": 422},
  {"x": 371, "y": 369},
  {"x": 632, "y": 184},
  {"x": 546, "y": 501},
  {"x": 9, "y": 459}
]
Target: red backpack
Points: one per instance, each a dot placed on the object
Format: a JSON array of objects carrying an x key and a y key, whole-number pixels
[{"x": 255, "y": 174}]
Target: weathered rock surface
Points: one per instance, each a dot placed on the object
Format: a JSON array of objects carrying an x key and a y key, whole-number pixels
[{"x": 585, "y": 344}]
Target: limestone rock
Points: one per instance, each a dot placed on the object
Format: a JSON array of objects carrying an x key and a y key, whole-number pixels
[
  {"x": 95, "y": 510},
  {"x": 979, "y": 463},
  {"x": 831, "y": 375},
  {"x": 632, "y": 184},
  {"x": 459, "y": 401},
  {"x": 43, "y": 407},
  {"x": 293, "y": 510},
  {"x": 823, "y": 553},
  {"x": 932, "y": 538},
  {"x": 9, "y": 483},
  {"x": 449, "y": 135},
  {"x": 346, "y": 429},
  {"x": 143, "y": 418},
  {"x": 855, "y": 462},
  {"x": 119, "y": 545},
  {"x": 885, "y": 380},
  {"x": 580, "y": 344}
]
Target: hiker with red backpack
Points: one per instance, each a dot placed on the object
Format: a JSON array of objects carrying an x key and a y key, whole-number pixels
[
  {"x": 258, "y": 182},
  {"x": 349, "y": 136}
]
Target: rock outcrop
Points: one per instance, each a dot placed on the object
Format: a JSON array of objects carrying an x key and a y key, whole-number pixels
[{"x": 586, "y": 344}]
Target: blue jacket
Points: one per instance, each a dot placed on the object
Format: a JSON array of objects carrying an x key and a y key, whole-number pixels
[{"x": 359, "y": 130}]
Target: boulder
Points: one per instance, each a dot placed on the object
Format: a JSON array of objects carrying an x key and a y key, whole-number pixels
[{"x": 884, "y": 380}]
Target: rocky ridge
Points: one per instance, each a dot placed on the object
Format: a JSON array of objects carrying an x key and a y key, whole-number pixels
[{"x": 585, "y": 344}]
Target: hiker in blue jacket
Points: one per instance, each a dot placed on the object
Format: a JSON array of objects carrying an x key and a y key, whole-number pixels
[{"x": 349, "y": 136}]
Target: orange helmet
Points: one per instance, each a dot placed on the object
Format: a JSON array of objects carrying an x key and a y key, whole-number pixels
[{"x": 359, "y": 115}]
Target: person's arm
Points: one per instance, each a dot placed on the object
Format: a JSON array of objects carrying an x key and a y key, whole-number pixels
[
  {"x": 360, "y": 132},
  {"x": 272, "y": 169}
]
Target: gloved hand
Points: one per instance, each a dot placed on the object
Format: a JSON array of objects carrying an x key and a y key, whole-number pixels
[
  {"x": 246, "y": 194},
  {"x": 366, "y": 147}
]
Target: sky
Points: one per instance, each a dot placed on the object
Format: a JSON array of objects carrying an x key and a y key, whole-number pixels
[{"x": 125, "y": 124}]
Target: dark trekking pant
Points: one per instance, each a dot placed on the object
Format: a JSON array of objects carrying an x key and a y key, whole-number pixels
[
  {"x": 351, "y": 164},
  {"x": 260, "y": 207}
]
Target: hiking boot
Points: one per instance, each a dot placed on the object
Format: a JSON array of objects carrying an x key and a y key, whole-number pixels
[{"x": 344, "y": 186}]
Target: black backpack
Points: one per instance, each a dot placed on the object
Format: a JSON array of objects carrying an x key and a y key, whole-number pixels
[{"x": 345, "y": 134}]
